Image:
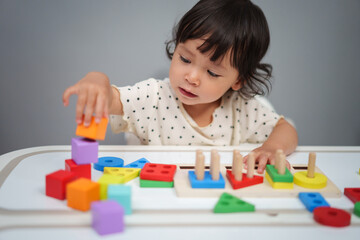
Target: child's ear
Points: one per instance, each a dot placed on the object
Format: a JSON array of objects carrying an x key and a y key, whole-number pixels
[{"x": 236, "y": 86}]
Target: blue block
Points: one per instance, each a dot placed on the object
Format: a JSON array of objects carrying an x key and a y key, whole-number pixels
[
  {"x": 312, "y": 200},
  {"x": 108, "y": 162},
  {"x": 207, "y": 182},
  {"x": 137, "y": 164},
  {"x": 121, "y": 194}
]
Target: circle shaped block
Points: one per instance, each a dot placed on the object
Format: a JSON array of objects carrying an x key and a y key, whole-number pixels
[
  {"x": 332, "y": 217},
  {"x": 108, "y": 162},
  {"x": 317, "y": 182}
]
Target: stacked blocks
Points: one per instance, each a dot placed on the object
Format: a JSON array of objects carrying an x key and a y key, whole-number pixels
[
  {"x": 122, "y": 195},
  {"x": 157, "y": 175},
  {"x": 81, "y": 192},
  {"x": 312, "y": 200},
  {"x": 56, "y": 183},
  {"x": 108, "y": 162},
  {"x": 353, "y": 194},
  {"x": 278, "y": 176},
  {"x": 94, "y": 130},
  {"x": 107, "y": 217},
  {"x": 332, "y": 217},
  {"x": 229, "y": 204},
  {"x": 140, "y": 163},
  {"x": 79, "y": 170},
  {"x": 84, "y": 151}
]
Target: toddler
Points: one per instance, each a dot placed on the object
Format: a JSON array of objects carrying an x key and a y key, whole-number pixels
[{"x": 209, "y": 97}]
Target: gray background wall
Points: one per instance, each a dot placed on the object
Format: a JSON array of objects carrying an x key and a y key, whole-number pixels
[{"x": 48, "y": 45}]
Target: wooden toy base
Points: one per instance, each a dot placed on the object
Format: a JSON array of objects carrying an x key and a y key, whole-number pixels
[{"x": 183, "y": 187}]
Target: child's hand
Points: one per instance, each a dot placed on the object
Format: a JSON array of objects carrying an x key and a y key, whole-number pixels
[
  {"x": 94, "y": 96},
  {"x": 264, "y": 156}
]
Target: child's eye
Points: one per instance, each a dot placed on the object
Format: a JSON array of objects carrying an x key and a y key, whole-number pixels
[
  {"x": 213, "y": 74},
  {"x": 184, "y": 59}
]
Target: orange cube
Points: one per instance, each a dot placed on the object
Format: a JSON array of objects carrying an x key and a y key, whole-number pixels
[
  {"x": 81, "y": 192},
  {"x": 95, "y": 131}
]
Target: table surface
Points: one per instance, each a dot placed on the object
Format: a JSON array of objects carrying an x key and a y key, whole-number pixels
[{"x": 26, "y": 212}]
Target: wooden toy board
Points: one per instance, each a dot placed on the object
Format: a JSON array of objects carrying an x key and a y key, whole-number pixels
[{"x": 183, "y": 188}]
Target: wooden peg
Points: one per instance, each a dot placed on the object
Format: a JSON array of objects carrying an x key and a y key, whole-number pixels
[
  {"x": 278, "y": 158},
  {"x": 311, "y": 165},
  {"x": 200, "y": 165},
  {"x": 215, "y": 165},
  {"x": 282, "y": 164},
  {"x": 250, "y": 165},
  {"x": 237, "y": 165}
]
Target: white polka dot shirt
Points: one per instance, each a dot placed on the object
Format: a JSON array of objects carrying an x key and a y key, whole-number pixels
[{"x": 155, "y": 115}]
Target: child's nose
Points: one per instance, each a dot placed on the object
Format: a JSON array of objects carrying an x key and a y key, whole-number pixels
[{"x": 193, "y": 77}]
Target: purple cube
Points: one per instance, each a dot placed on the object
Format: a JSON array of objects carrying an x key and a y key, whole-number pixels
[
  {"x": 84, "y": 151},
  {"x": 107, "y": 217}
]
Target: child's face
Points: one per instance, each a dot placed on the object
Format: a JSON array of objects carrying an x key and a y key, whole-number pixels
[{"x": 197, "y": 80}]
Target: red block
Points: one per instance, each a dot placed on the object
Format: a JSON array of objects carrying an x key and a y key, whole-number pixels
[
  {"x": 158, "y": 172},
  {"x": 332, "y": 217},
  {"x": 83, "y": 170},
  {"x": 56, "y": 183},
  {"x": 353, "y": 194},
  {"x": 245, "y": 182}
]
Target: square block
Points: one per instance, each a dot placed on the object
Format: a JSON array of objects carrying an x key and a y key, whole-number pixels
[
  {"x": 107, "y": 217},
  {"x": 207, "y": 182},
  {"x": 158, "y": 172},
  {"x": 140, "y": 163},
  {"x": 127, "y": 173},
  {"x": 312, "y": 200},
  {"x": 84, "y": 151},
  {"x": 56, "y": 183},
  {"x": 81, "y": 192},
  {"x": 353, "y": 194},
  {"x": 276, "y": 177},
  {"x": 229, "y": 204},
  {"x": 122, "y": 195},
  {"x": 278, "y": 185},
  {"x": 95, "y": 131},
  {"x": 245, "y": 182},
  {"x": 108, "y": 162},
  {"x": 79, "y": 170},
  {"x": 156, "y": 184},
  {"x": 105, "y": 180}
]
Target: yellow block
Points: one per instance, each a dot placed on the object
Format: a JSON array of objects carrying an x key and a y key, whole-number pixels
[
  {"x": 104, "y": 182},
  {"x": 278, "y": 185},
  {"x": 127, "y": 173},
  {"x": 317, "y": 182}
]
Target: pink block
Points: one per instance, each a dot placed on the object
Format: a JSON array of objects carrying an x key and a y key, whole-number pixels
[
  {"x": 107, "y": 217},
  {"x": 84, "y": 151}
]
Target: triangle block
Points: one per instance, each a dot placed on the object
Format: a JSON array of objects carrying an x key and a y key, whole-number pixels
[{"x": 229, "y": 204}]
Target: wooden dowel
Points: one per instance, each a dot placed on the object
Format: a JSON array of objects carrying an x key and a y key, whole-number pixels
[
  {"x": 215, "y": 165},
  {"x": 311, "y": 165},
  {"x": 200, "y": 165},
  {"x": 282, "y": 164},
  {"x": 278, "y": 158},
  {"x": 237, "y": 165},
  {"x": 250, "y": 165}
]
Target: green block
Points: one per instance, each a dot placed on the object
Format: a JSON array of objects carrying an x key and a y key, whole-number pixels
[
  {"x": 273, "y": 173},
  {"x": 229, "y": 204},
  {"x": 156, "y": 184},
  {"x": 357, "y": 209}
]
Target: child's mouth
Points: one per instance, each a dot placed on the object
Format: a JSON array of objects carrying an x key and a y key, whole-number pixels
[{"x": 186, "y": 93}]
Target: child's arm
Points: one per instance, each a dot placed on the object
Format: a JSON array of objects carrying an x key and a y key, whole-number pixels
[
  {"x": 284, "y": 137},
  {"x": 95, "y": 95}
]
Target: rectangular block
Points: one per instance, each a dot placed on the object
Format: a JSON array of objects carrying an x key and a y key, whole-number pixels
[
  {"x": 56, "y": 183},
  {"x": 95, "y": 131},
  {"x": 158, "y": 172},
  {"x": 312, "y": 200},
  {"x": 155, "y": 184},
  {"x": 81, "y": 192},
  {"x": 207, "y": 182},
  {"x": 107, "y": 217},
  {"x": 122, "y": 195},
  {"x": 79, "y": 170},
  {"x": 353, "y": 194},
  {"x": 278, "y": 185},
  {"x": 276, "y": 177},
  {"x": 84, "y": 151}
]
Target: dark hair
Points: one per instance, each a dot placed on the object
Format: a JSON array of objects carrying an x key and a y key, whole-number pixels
[{"x": 235, "y": 25}]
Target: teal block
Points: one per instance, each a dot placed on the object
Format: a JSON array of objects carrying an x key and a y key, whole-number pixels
[{"x": 121, "y": 194}]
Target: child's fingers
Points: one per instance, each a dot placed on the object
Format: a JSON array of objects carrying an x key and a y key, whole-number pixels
[
  {"x": 99, "y": 108},
  {"x": 262, "y": 161},
  {"x": 89, "y": 110},
  {"x": 80, "y": 105},
  {"x": 67, "y": 93},
  {"x": 288, "y": 164}
]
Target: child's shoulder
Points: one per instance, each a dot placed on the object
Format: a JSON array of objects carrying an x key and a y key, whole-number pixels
[{"x": 234, "y": 99}]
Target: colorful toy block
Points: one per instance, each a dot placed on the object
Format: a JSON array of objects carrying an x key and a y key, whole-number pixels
[
  {"x": 95, "y": 131},
  {"x": 105, "y": 180},
  {"x": 207, "y": 182},
  {"x": 108, "y": 162},
  {"x": 126, "y": 173},
  {"x": 312, "y": 200},
  {"x": 158, "y": 172},
  {"x": 79, "y": 170},
  {"x": 140, "y": 163},
  {"x": 276, "y": 177},
  {"x": 230, "y": 204},
  {"x": 56, "y": 183},
  {"x": 121, "y": 194},
  {"x": 278, "y": 185},
  {"x": 332, "y": 217},
  {"x": 155, "y": 184},
  {"x": 357, "y": 209},
  {"x": 245, "y": 182},
  {"x": 353, "y": 194},
  {"x": 81, "y": 192},
  {"x": 107, "y": 217},
  {"x": 84, "y": 151}
]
